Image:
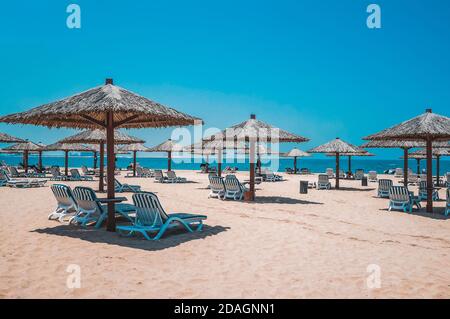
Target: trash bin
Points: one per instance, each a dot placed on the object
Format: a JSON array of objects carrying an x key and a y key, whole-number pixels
[
  {"x": 303, "y": 187},
  {"x": 364, "y": 181}
]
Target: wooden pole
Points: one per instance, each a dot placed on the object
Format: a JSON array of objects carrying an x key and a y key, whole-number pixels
[
  {"x": 349, "y": 164},
  {"x": 337, "y": 170},
  {"x": 418, "y": 165},
  {"x": 429, "y": 176},
  {"x": 219, "y": 163},
  {"x": 111, "y": 221},
  {"x": 169, "y": 161},
  {"x": 405, "y": 167},
  {"x": 95, "y": 160},
  {"x": 101, "y": 182},
  {"x": 66, "y": 162},
  {"x": 134, "y": 163},
  {"x": 25, "y": 161},
  {"x": 437, "y": 169},
  {"x": 40, "y": 160},
  {"x": 252, "y": 170},
  {"x": 295, "y": 164}
]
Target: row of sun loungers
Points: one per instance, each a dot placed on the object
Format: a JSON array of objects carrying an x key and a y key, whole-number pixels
[
  {"x": 7, "y": 180},
  {"x": 226, "y": 188}
]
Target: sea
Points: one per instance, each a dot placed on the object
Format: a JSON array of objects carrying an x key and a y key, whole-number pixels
[{"x": 315, "y": 165}]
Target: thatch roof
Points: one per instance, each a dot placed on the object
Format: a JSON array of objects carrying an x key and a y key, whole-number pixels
[
  {"x": 352, "y": 154},
  {"x": 75, "y": 110},
  {"x": 98, "y": 136},
  {"x": 336, "y": 146},
  {"x": 20, "y": 147},
  {"x": 137, "y": 147},
  {"x": 427, "y": 125},
  {"x": 255, "y": 130},
  {"x": 400, "y": 144},
  {"x": 436, "y": 152},
  {"x": 167, "y": 146},
  {"x": 5, "y": 138},
  {"x": 260, "y": 149},
  {"x": 70, "y": 147},
  {"x": 295, "y": 152}
]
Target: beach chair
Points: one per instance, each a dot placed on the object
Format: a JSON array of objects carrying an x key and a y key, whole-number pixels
[
  {"x": 76, "y": 176},
  {"x": 56, "y": 175},
  {"x": 217, "y": 187},
  {"x": 233, "y": 188},
  {"x": 398, "y": 172},
  {"x": 120, "y": 188},
  {"x": 173, "y": 178},
  {"x": 359, "y": 174},
  {"x": 3, "y": 178},
  {"x": 21, "y": 182},
  {"x": 87, "y": 171},
  {"x": 15, "y": 173},
  {"x": 423, "y": 194},
  {"x": 384, "y": 185},
  {"x": 372, "y": 176},
  {"x": 305, "y": 171},
  {"x": 289, "y": 170},
  {"x": 36, "y": 173},
  {"x": 159, "y": 176},
  {"x": 89, "y": 210},
  {"x": 399, "y": 198},
  {"x": 141, "y": 172},
  {"x": 151, "y": 218},
  {"x": 66, "y": 205},
  {"x": 447, "y": 206},
  {"x": 413, "y": 179},
  {"x": 330, "y": 172},
  {"x": 323, "y": 182}
]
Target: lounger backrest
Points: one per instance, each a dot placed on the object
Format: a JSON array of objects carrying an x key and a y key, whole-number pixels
[
  {"x": 55, "y": 172},
  {"x": 159, "y": 174},
  {"x": 13, "y": 170},
  {"x": 84, "y": 169},
  {"x": 413, "y": 177},
  {"x": 86, "y": 198},
  {"x": 171, "y": 175},
  {"x": 399, "y": 194},
  {"x": 384, "y": 184},
  {"x": 216, "y": 183},
  {"x": 232, "y": 184},
  {"x": 149, "y": 211},
  {"x": 323, "y": 179},
  {"x": 4, "y": 175},
  {"x": 423, "y": 185},
  {"x": 372, "y": 174},
  {"x": 75, "y": 173},
  {"x": 139, "y": 170},
  {"x": 117, "y": 184},
  {"x": 63, "y": 194},
  {"x": 398, "y": 171},
  {"x": 448, "y": 178},
  {"x": 359, "y": 173}
]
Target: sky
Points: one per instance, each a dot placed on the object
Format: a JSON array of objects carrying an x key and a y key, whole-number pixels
[{"x": 310, "y": 67}]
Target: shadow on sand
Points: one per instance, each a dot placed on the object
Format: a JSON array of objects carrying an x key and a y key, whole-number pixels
[
  {"x": 171, "y": 238},
  {"x": 353, "y": 189},
  {"x": 438, "y": 213},
  {"x": 281, "y": 200}
]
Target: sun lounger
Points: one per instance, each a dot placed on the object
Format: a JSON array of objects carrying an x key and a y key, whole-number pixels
[
  {"x": 323, "y": 182},
  {"x": 66, "y": 203},
  {"x": 36, "y": 173},
  {"x": 400, "y": 198},
  {"x": 120, "y": 188},
  {"x": 76, "y": 176},
  {"x": 359, "y": 174},
  {"x": 173, "y": 178},
  {"x": 15, "y": 173},
  {"x": 447, "y": 206},
  {"x": 141, "y": 172},
  {"x": 423, "y": 194},
  {"x": 384, "y": 185},
  {"x": 217, "y": 186},
  {"x": 56, "y": 175},
  {"x": 398, "y": 172},
  {"x": 159, "y": 176},
  {"x": 21, "y": 182},
  {"x": 151, "y": 218},
  {"x": 330, "y": 172},
  {"x": 372, "y": 176},
  {"x": 413, "y": 179},
  {"x": 87, "y": 171},
  {"x": 89, "y": 210},
  {"x": 233, "y": 188},
  {"x": 305, "y": 171}
]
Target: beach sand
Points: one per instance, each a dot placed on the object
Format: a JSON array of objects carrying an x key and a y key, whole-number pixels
[{"x": 284, "y": 245}]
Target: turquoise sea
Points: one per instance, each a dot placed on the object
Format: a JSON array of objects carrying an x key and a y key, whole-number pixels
[{"x": 316, "y": 165}]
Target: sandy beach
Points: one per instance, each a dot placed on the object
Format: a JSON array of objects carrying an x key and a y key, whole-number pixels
[{"x": 284, "y": 245}]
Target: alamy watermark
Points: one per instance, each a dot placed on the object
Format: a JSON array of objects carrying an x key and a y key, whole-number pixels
[
  {"x": 73, "y": 280},
  {"x": 374, "y": 19},
  {"x": 73, "y": 20}
]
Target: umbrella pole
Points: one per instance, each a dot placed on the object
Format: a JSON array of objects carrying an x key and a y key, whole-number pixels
[
  {"x": 95, "y": 160},
  {"x": 418, "y": 165},
  {"x": 295, "y": 164},
  {"x": 66, "y": 162},
  {"x": 169, "y": 161},
  {"x": 134, "y": 164},
  {"x": 405, "y": 167},
  {"x": 101, "y": 183},
  {"x": 252, "y": 170},
  {"x": 111, "y": 221},
  {"x": 429, "y": 176},
  {"x": 337, "y": 170},
  {"x": 349, "y": 164},
  {"x": 437, "y": 170},
  {"x": 219, "y": 163},
  {"x": 25, "y": 162},
  {"x": 40, "y": 160}
]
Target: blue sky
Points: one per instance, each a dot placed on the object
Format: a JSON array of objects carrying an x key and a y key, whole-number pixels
[{"x": 310, "y": 67}]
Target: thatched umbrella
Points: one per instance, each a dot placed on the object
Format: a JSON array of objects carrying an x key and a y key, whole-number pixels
[
  {"x": 109, "y": 107},
  {"x": 295, "y": 152},
  {"x": 25, "y": 148},
  {"x": 214, "y": 147},
  {"x": 254, "y": 131},
  {"x": 168, "y": 147},
  {"x": 99, "y": 138},
  {"x": 5, "y": 138},
  {"x": 260, "y": 149},
  {"x": 66, "y": 148},
  {"x": 136, "y": 147},
  {"x": 337, "y": 147},
  {"x": 427, "y": 127},
  {"x": 404, "y": 145},
  {"x": 350, "y": 155},
  {"x": 437, "y": 153}
]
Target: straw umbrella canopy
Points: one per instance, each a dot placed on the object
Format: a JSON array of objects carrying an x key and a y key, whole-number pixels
[
  {"x": 168, "y": 147},
  {"x": 66, "y": 148},
  {"x": 99, "y": 138},
  {"x": 427, "y": 127},
  {"x": 295, "y": 152},
  {"x": 437, "y": 153},
  {"x": 108, "y": 107},
  {"x": 337, "y": 147},
  {"x": 405, "y": 145},
  {"x": 254, "y": 131},
  {"x": 350, "y": 155},
  {"x": 5, "y": 138},
  {"x": 25, "y": 148},
  {"x": 136, "y": 147}
]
